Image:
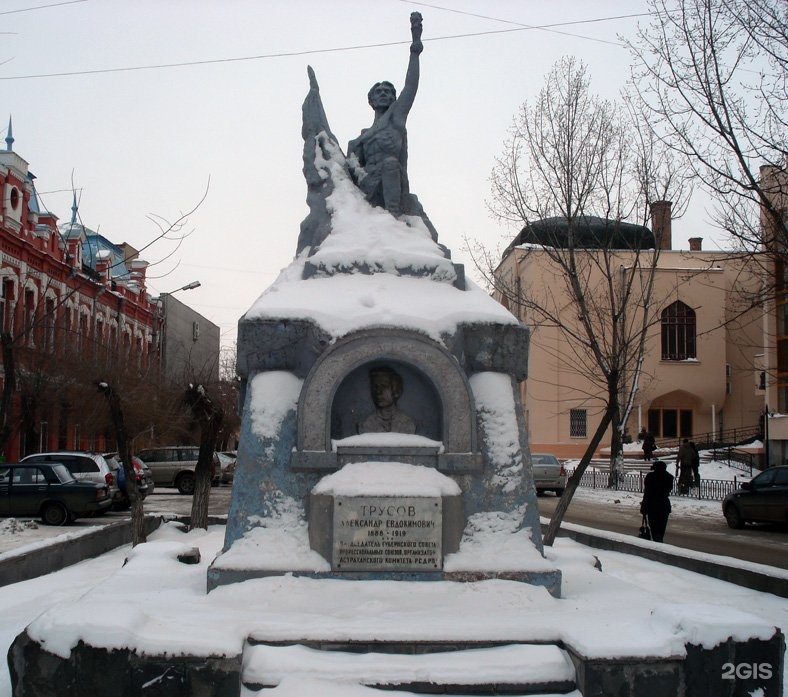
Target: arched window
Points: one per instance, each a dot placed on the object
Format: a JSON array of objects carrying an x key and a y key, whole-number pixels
[{"x": 678, "y": 332}]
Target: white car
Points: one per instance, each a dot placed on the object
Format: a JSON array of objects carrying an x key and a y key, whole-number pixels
[{"x": 549, "y": 473}]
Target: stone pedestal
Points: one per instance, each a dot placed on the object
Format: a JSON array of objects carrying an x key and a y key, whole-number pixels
[{"x": 301, "y": 417}]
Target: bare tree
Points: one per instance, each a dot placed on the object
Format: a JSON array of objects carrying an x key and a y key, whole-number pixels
[
  {"x": 138, "y": 535},
  {"x": 208, "y": 416},
  {"x": 711, "y": 77},
  {"x": 574, "y": 170}
]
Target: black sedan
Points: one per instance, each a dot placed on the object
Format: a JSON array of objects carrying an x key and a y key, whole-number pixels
[
  {"x": 762, "y": 500},
  {"x": 49, "y": 490}
]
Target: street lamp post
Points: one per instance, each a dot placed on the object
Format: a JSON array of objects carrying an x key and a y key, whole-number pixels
[{"x": 161, "y": 317}]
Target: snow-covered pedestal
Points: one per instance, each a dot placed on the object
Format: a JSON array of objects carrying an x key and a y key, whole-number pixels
[{"x": 459, "y": 355}]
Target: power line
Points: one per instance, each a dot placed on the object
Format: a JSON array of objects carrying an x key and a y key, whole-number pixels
[
  {"x": 546, "y": 27},
  {"x": 41, "y": 7},
  {"x": 290, "y": 54}
]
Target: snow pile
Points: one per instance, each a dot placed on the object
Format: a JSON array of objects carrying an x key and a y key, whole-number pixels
[
  {"x": 387, "y": 440},
  {"x": 280, "y": 540},
  {"x": 493, "y": 542},
  {"x": 347, "y": 302},
  {"x": 274, "y": 394},
  {"x": 12, "y": 526},
  {"x": 370, "y": 237},
  {"x": 511, "y": 664},
  {"x": 387, "y": 479},
  {"x": 498, "y": 416}
]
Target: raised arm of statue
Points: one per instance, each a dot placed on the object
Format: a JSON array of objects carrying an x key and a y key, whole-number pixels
[{"x": 408, "y": 94}]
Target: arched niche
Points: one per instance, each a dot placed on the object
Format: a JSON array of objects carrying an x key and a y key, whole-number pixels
[
  {"x": 419, "y": 400},
  {"x": 436, "y": 394}
]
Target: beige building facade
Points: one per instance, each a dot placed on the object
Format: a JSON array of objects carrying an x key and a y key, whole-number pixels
[{"x": 700, "y": 374}]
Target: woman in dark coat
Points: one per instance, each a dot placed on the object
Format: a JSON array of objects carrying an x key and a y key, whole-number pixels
[
  {"x": 649, "y": 445},
  {"x": 656, "y": 499}
]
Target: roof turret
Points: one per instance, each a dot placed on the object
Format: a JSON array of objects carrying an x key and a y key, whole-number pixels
[{"x": 9, "y": 136}]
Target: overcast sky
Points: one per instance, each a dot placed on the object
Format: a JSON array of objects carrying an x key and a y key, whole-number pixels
[{"x": 139, "y": 143}]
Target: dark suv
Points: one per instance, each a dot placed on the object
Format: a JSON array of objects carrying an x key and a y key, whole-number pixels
[{"x": 49, "y": 490}]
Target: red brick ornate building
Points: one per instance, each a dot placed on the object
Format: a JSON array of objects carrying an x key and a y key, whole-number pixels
[{"x": 68, "y": 296}]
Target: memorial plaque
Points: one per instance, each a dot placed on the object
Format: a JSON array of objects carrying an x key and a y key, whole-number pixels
[{"x": 387, "y": 533}]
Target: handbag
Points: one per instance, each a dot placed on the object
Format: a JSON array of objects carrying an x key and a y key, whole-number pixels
[{"x": 645, "y": 529}]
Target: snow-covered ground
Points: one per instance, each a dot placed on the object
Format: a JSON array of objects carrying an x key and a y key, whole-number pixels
[{"x": 640, "y": 606}]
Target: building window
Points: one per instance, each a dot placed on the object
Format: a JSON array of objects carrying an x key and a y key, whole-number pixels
[
  {"x": 50, "y": 318},
  {"x": 30, "y": 316},
  {"x": 7, "y": 317},
  {"x": 68, "y": 326},
  {"x": 577, "y": 423},
  {"x": 678, "y": 332},
  {"x": 670, "y": 423}
]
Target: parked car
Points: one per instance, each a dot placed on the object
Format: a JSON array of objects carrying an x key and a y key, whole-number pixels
[
  {"x": 145, "y": 484},
  {"x": 227, "y": 468},
  {"x": 147, "y": 475},
  {"x": 85, "y": 466},
  {"x": 762, "y": 500},
  {"x": 549, "y": 473},
  {"x": 174, "y": 466},
  {"x": 49, "y": 490}
]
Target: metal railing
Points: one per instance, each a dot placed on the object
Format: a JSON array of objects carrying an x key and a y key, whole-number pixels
[
  {"x": 709, "y": 489},
  {"x": 721, "y": 439},
  {"x": 737, "y": 459}
]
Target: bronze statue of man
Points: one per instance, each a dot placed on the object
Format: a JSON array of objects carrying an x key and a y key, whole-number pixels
[
  {"x": 379, "y": 156},
  {"x": 386, "y": 387}
]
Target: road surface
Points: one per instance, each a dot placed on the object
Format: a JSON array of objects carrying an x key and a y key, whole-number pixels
[{"x": 761, "y": 544}]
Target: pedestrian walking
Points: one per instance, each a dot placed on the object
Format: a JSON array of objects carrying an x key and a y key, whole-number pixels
[
  {"x": 695, "y": 464},
  {"x": 656, "y": 499},
  {"x": 649, "y": 446},
  {"x": 684, "y": 460}
]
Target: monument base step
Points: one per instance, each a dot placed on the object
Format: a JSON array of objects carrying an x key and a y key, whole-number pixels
[
  {"x": 428, "y": 668},
  {"x": 549, "y": 579}
]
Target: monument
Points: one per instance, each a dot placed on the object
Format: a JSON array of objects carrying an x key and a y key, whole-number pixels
[
  {"x": 383, "y": 429},
  {"x": 382, "y": 440}
]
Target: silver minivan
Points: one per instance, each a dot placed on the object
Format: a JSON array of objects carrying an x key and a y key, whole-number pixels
[{"x": 174, "y": 465}]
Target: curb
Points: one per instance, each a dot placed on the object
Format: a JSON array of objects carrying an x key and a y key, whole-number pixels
[
  {"x": 748, "y": 578},
  {"x": 45, "y": 559}
]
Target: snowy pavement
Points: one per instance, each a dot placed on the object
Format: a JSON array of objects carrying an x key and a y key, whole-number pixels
[
  {"x": 635, "y": 607},
  {"x": 641, "y": 606}
]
